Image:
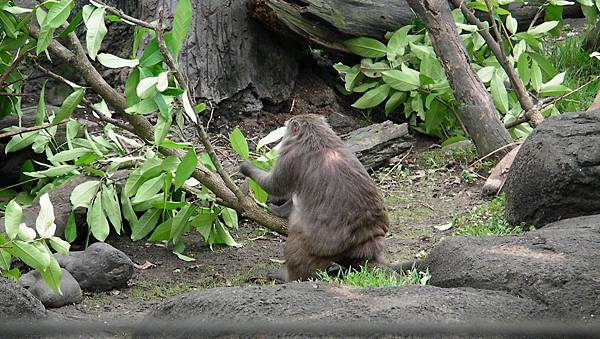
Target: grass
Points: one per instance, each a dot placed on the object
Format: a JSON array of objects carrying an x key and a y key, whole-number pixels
[
  {"x": 568, "y": 57},
  {"x": 148, "y": 290},
  {"x": 376, "y": 277},
  {"x": 460, "y": 156},
  {"x": 486, "y": 220}
]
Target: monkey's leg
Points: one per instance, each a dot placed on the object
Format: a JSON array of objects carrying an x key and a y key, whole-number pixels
[
  {"x": 301, "y": 265},
  {"x": 284, "y": 210}
]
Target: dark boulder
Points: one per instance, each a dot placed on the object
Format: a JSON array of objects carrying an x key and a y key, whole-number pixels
[
  {"x": 17, "y": 303},
  {"x": 556, "y": 174}
]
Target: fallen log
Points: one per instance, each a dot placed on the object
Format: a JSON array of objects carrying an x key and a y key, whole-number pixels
[
  {"x": 374, "y": 145},
  {"x": 328, "y": 23}
]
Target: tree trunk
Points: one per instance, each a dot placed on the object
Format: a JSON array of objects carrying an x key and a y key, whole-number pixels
[
  {"x": 477, "y": 111},
  {"x": 230, "y": 56}
]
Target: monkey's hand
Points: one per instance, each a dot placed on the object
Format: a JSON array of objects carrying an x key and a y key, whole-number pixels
[{"x": 246, "y": 168}]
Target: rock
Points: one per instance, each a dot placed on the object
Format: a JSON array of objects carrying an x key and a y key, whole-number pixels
[
  {"x": 71, "y": 292},
  {"x": 17, "y": 303},
  {"x": 100, "y": 267},
  {"x": 556, "y": 266},
  {"x": 313, "y": 301},
  {"x": 556, "y": 175}
]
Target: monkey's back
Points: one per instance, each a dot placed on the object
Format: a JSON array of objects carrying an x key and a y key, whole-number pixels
[{"x": 338, "y": 207}]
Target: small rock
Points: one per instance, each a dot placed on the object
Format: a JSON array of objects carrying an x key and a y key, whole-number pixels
[
  {"x": 100, "y": 267},
  {"x": 18, "y": 303},
  {"x": 71, "y": 292}
]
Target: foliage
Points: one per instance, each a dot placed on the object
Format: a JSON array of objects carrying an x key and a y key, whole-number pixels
[
  {"x": 487, "y": 220},
  {"x": 404, "y": 74},
  {"x": 581, "y": 70},
  {"x": 376, "y": 277},
  {"x": 32, "y": 246},
  {"x": 157, "y": 199}
]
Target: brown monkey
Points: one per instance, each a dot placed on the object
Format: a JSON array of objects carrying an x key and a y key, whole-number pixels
[{"x": 335, "y": 211}]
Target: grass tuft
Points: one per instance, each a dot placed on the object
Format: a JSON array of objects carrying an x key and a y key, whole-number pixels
[
  {"x": 487, "y": 219},
  {"x": 376, "y": 277}
]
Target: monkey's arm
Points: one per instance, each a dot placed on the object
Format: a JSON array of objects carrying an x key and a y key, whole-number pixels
[
  {"x": 284, "y": 210},
  {"x": 274, "y": 182}
]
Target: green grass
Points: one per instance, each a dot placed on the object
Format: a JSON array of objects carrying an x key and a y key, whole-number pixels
[
  {"x": 376, "y": 277},
  {"x": 568, "y": 56},
  {"x": 487, "y": 219}
]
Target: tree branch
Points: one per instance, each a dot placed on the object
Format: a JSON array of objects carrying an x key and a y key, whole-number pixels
[
  {"x": 532, "y": 112},
  {"x": 78, "y": 60},
  {"x": 11, "y": 134}
]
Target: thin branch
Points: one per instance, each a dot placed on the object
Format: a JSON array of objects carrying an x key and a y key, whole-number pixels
[
  {"x": 11, "y": 134},
  {"x": 532, "y": 112},
  {"x": 171, "y": 63},
  {"x": 493, "y": 22},
  {"x": 517, "y": 122},
  {"x": 13, "y": 66},
  {"x": 119, "y": 12}
]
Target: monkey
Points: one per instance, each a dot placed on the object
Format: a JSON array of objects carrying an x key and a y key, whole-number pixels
[{"x": 335, "y": 212}]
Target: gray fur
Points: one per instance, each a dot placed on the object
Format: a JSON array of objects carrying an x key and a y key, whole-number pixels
[{"x": 337, "y": 214}]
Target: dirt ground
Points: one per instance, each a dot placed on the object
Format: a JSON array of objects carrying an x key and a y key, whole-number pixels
[{"x": 420, "y": 191}]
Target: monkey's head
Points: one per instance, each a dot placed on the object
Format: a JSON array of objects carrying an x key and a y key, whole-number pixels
[{"x": 311, "y": 131}]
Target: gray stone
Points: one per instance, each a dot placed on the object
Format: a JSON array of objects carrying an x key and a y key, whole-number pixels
[
  {"x": 314, "y": 301},
  {"x": 17, "y": 303},
  {"x": 71, "y": 292},
  {"x": 100, "y": 267},
  {"x": 556, "y": 174},
  {"x": 556, "y": 266}
]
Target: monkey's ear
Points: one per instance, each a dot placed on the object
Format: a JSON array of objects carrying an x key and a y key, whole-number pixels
[{"x": 294, "y": 127}]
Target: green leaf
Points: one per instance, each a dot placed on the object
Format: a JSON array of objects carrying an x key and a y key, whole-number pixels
[
  {"x": 373, "y": 97},
  {"x": 20, "y": 141},
  {"x": 73, "y": 24},
  {"x": 181, "y": 222},
  {"x": 230, "y": 217},
  {"x": 151, "y": 55},
  {"x": 83, "y": 194},
  {"x": 148, "y": 189},
  {"x": 29, "y": 254},
  {"x": 58, "y": 14},
  {"x": 26, "y": 233},
  {"x": 499, "y": 94},
  {"x": 542, "y": 28},
  {"x": 511, "y": 24},
  {"x": 186, "y": 168},
  {"x": 5, "y": 260},
  {"x": 51, "y": 172},
  {"x": 113, "y": 61},
  {"x": 71, "y": 228},
  {"x": 96, "y": 219},
  {"x": 395, "y": 100},
  {"x": 273, "y": 136},
  {"x": 536, "y": 76},
  {"x": 222, "y": 236},
  {"x": 69, "y": 105},
  {"x": 145, "y": 225},
  {"x": 259, "y": 193},
  {"x": 12, "y": 219},
  {"x": 59, "y": 245},
  {"x": 366, "y": 47},
  {"x": 181, "y": 26},
  {"x": 405, "y": 80},
  {"x": 165, "y": 119},
  {"x": 145, "y": 106},
  {"x": 398, "y": 42},
  {"x": 162, "y": 232},
  {"x": 183, "y": 257},
  {"x": 239, "y": 143},
  {"x": 96, "y": 31},
  {"x": 130, "y": 88},
  {"x": 373, "y": 70},
  {"x": 111, "y": 207},
  {"x": 127, "y": 210},
  {"x": 523, "y": 68},
  {"x": 52, "y": 274},
  {"x": 45, "y": 36},
  {"x": 40, "y": 112},
  {"x": 68, "y": 155},
  {"x": 44, "y": 223}
]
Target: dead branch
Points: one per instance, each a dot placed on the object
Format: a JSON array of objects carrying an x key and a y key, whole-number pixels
[{"x": 11, "y": 134}]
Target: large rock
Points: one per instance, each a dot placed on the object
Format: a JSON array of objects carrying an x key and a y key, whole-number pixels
[
  {"x": 17, "y": 303},
  {"x": 310, "y": 301},
  {"x": 557, "y": 265},
  {"x": 556, "y": 174},
  {"x": 71, "y": 292},
  {"x": 100, "y": 267}
]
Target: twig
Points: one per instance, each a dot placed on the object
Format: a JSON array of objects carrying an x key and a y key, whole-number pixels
[
  {"x": 14, "y": 94},
  {"x": 13, "y": 66},
  {"x": 212, "y": 110},
  {"x": 532, "y": 111},
  {"x": 494, "y": 27},
  {"x": 108, "y": 119},
  {"x": 397, "y": 164},
  {"x": 31, "y": 129},
  {"x": 494, "y": 152},
  {"x": 171, "y": 63},
  {"x": 119, "y": 12}
]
